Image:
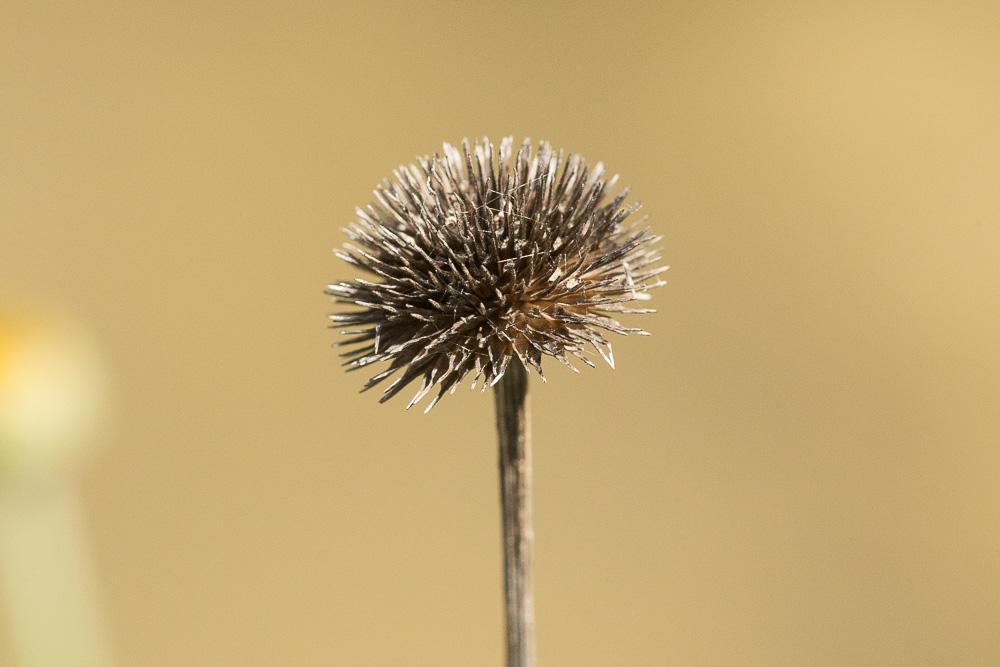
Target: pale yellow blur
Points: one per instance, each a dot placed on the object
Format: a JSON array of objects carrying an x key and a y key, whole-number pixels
[
  {"x": 53, "y": 394},
  {"x": 799, "y": 467}
]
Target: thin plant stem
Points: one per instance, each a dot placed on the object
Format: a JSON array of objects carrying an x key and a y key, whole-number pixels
[
  {"x": 53, "y": 614},
  {"x": 514, "y": 432}
]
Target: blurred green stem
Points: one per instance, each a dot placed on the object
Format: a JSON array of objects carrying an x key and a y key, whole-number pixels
[{"x": 53, "y": 616}]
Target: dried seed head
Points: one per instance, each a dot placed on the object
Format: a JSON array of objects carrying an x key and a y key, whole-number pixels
[{"x": 485, "y": 258}]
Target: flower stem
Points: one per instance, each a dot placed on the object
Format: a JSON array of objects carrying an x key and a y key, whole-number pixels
[
  {"x": 514, "y": 432},
  {"x": 53, "y": 614}
]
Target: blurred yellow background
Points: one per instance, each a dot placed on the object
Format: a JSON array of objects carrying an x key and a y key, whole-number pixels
[{"x": 800, "y": 467}]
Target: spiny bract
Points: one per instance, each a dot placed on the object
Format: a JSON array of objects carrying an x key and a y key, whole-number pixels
[{"x": 484, "y": 258}]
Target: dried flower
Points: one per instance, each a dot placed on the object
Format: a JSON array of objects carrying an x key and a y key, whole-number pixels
[{"x": 483, "y": 258}]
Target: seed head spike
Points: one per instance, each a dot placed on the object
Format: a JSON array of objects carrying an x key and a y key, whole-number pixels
[{"x": 486, "y": 256}]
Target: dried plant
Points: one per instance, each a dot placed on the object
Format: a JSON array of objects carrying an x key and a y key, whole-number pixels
[
  {"x": 483, "y": 264},
  {"x": 479, "y": 260}
]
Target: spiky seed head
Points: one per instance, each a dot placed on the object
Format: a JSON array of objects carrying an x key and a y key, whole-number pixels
[{"x": 481, "y": 259}]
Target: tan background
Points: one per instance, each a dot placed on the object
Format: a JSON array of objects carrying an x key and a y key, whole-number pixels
[{"x": 799, "y": 468}]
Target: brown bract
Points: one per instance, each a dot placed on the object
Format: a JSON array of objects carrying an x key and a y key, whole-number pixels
[{"x": 480, "y": 257}]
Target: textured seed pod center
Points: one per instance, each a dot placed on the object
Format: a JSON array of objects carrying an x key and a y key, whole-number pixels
[{"x": 479, "y": 258}]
